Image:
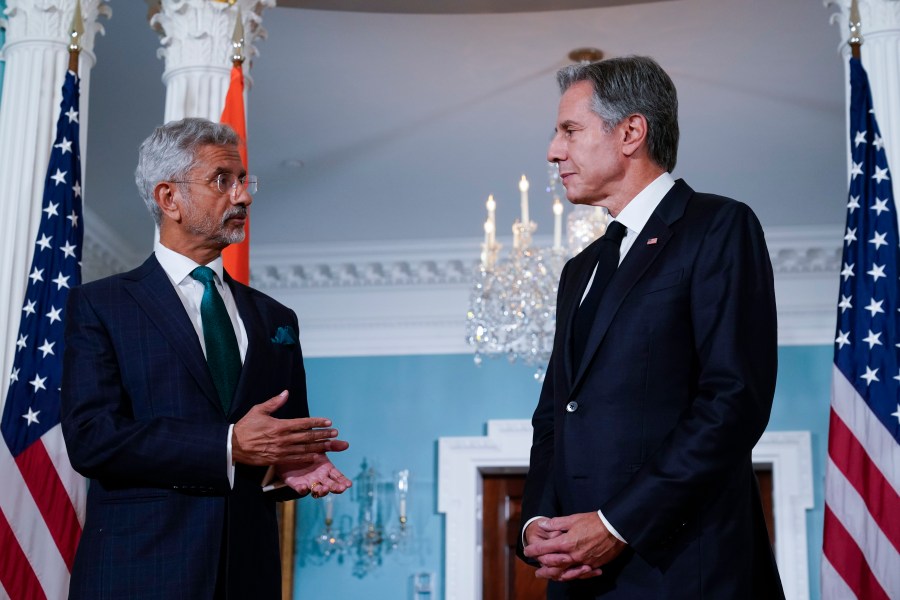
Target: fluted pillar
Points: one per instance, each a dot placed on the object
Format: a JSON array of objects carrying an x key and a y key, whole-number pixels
[
  {"x": 36, "y": 56},
  {"x": 880, "y": 52},
  {"x": 196, "y": 45}
]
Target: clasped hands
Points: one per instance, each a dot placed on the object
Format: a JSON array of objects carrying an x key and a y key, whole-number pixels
[
  {"x": 296, "y": 447},
  {"x": 571, "y": 547}
]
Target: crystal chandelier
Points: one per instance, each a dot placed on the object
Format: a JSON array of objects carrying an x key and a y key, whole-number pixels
[
  {"x": 512, "y": 306},
  {"x": 367, "y": 540}
]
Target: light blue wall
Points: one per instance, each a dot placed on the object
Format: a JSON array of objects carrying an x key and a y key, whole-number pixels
[
  {"x": 802, "y": 400},
  {"x": 393, "y": 410}
]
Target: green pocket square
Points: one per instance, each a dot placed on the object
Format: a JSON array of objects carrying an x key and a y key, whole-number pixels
[{"x": 286, "y": 336}]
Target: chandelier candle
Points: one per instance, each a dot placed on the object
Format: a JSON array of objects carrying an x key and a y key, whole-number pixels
[
  {"x": 557, "y": 224},
  {"x": 523, "y": 187},
  {"x": 512, "y": 307}
]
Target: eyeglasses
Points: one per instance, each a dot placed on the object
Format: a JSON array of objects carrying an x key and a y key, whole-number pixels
[{"x": 227, "y": 183}]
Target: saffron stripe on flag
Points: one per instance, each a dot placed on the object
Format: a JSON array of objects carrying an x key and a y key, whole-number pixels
[
  {"x": 51, "y": 498},
  {"x": 15, "y": 570},
  {"x": 880, "y": 499},
  {"x": 847, "y": 559},
  {"x": 868, "y": 429},
  {"x": 849, "y": 507}
]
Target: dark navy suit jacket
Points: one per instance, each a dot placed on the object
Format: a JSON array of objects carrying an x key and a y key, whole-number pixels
[
  {"x": 673, "y": 392},
  {"x": 142, "y": 419}
]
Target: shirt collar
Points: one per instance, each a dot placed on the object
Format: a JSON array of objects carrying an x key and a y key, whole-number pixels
[
  {"x": 637, "y": 212},
  {"x": 178, "y": 266}
]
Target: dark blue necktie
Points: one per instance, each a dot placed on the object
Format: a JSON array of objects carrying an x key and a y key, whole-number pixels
[
  {"x": 222, "y": 353},
  {"x": 607, "y": 263}
]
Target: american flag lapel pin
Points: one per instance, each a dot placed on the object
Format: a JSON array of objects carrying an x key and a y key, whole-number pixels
[{"x": 652, "y": 241}]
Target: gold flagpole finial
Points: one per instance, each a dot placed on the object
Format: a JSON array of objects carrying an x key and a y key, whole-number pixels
[
  {"x": 76, "y": 31},
  {"x": 856, "y": 38},
  {"x": 237, "y": 39}
]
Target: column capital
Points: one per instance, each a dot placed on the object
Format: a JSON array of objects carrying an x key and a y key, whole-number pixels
[
  {"x": 197, "y": 33},
  {"x": 878, "y": 18},
  {"x": 49, "y": 21}
]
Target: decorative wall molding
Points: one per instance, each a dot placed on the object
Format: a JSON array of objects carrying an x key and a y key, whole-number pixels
[
  {"x": 410, "y": 297},
  {"x": 105, "y": 252},
  {"x": 463, "y": 460},
  {"x": 450, "y": 262},
  {"x": 790, "y": 455}
]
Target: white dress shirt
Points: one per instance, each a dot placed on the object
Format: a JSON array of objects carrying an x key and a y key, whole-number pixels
[
  {"x": 634, "y": 216},
  {"x": 178, "y": 268}
]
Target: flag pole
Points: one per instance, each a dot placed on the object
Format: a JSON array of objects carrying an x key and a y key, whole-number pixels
[
  {"x": 75, "y": 33},
  {"x": 856, "y": 38},
  {"x": 236, "y": 257}
]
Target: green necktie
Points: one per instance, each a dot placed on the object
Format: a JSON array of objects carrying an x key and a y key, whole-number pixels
[{"x": 222, "y": 353}]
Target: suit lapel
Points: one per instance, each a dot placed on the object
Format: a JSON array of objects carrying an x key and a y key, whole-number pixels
[
  {"x": 639, "y": 258},
  {"x": 152, "y": 290},
  {"x": 582, "y": 268},
  {"x": 256, "y": 339}
]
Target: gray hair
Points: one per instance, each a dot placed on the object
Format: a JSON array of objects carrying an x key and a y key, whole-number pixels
[
  {"x": 170, "y": 153},
  {"x": 632, "y": 85}
]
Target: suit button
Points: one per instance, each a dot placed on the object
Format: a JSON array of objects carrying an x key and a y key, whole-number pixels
[{"x": 571, "y": 406}]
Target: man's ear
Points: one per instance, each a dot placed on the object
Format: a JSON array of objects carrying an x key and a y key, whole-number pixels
[
  {"x": 164, "y": 194},
  {"x": 634, "y": 133}
]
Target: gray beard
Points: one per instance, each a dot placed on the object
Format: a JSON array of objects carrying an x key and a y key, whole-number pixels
[{"x": 216, "y": 232}]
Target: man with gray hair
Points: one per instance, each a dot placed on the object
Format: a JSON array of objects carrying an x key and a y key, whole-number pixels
[
  {"x": 662, "y": 376},
  {"x": 184, "y": 396}
]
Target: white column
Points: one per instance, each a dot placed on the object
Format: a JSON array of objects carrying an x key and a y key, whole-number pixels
[
  {"x": 196, "y": 45},
  {"x": 880, "y": 52},
  {"x": 36, "y": 55}
]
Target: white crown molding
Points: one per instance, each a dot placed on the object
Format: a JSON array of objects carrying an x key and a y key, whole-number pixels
[
  {"x": 410, "y": 297},
  {"x": 105, "y": 252},
  {"x": 462, "y": 462}
]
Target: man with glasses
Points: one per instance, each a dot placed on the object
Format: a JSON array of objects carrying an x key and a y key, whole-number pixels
[{"x": 184, "y": 396}]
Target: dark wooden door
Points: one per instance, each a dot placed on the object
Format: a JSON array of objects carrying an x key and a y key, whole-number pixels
[{"x": 504, "y": 576}]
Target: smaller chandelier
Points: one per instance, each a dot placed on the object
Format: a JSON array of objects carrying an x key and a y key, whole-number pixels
[
  {"x": 512, "y": 306},
  {"x": 365, "y": 541}
]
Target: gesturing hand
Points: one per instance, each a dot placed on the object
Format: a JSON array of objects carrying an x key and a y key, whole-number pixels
[
  {"x": 317, "y": 476},
  {"x": 261, "y": 439},
  {"x": 572, "y": 547}
]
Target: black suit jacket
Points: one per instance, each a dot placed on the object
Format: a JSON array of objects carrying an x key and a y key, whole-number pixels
[
  {"x": 673, "y": 392},
  {"x": 142, "y": 419}
]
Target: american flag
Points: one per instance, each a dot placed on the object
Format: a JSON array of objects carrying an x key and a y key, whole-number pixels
[
  {"x": 862, "y": 506},
  {"x": 42, "y": 498}
]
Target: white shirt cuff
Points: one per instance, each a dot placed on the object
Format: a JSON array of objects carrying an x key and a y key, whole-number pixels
[
  {"x": 609, "y": 526},
  {"x": 230, "y": 465},
  {"x": 524, "y": 527}
]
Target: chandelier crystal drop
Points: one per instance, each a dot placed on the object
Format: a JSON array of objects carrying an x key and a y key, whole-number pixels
[{"x": 512, "y": 305}]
